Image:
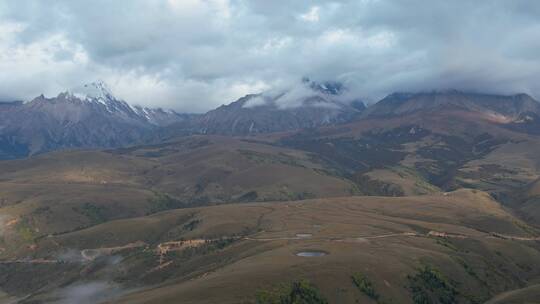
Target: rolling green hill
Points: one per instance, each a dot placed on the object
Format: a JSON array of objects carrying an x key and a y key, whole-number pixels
[
  {"x": 65, "y": 191},
  {"x": 463, "y": 245}
]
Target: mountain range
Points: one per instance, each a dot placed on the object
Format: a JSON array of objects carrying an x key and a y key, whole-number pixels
[
  {"x": 429, "y": 197},
  {"x": 92, "y": 117},
  {"x": 89, "y": 117}
]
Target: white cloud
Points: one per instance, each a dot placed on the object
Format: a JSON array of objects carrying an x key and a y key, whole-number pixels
[
  {"x": 192, "y": 55},
  {"x": 89, "y": 292},
  {"x": 294, "y": 96},
  {"x": 272, "y": 45},
  {"x": 312, "y": 15},
  {"x": 43, "y": 64},
  {"x": 255, "y": 102}
]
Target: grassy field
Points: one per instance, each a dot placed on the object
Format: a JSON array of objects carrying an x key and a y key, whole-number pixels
[
  {"x": 527, "y": 295},
  {"x": 465, "y": 238},
  {"x": 67, "y": 191}
]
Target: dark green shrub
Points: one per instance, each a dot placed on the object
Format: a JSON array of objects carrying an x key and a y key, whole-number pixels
[
  {"x": 96, "y": 214},
  {"x": 161, "y": 202},
  {"x": 191, "y": 225},
  {"x": 365, "y": 285},
  {"x": 300, "y": 292},
  {"x": 429, "y": 286}
]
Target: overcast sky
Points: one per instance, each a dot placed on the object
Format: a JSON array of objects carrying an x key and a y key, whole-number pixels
[{"x": 193, "y": 55}]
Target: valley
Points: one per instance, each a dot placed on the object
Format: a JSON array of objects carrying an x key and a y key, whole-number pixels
[
  {"x": 437, "y": 204},
  {"x": 250, "y": 247}
]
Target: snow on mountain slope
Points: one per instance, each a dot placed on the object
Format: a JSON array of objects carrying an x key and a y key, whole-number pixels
[
  {"x": 95, "y": 91},
  {"x": 99, "y": 94},
  {"x": 89, "y": 116}
]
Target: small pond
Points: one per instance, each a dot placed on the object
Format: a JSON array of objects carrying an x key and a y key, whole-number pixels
[{"x": 311, "y": 253}]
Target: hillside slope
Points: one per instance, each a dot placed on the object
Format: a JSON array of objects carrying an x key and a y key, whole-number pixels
[
  {"x": 418, "y": 143},
  {"x": 465, "y": 239},
  {"x": 63, "y": 191}
]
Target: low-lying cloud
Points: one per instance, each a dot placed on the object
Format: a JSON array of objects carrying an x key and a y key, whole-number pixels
[
  {"x": 95, "y": 291},
  {"x": 89, "y": 292},
  {"x": 195, "y": 55}
]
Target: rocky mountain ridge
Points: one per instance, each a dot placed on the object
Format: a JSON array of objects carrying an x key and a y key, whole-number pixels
[{"x": 90, "y": 116}]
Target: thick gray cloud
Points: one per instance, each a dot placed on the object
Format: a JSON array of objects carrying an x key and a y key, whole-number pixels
[{"x": 192, "y": 55}]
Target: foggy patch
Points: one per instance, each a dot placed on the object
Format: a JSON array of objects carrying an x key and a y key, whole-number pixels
[
  {"x": 298, "y": 95},
  {"x": 89, "y": 293},
  {"x": 294, "y": 97},
  {"x": 255, "y": 102},
  {"x": 88, "y": 255},
  {"x": 70, "y": 256}
]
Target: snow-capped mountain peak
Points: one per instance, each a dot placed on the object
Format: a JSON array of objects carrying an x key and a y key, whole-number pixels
[
  {"x": 96, "y": 98},
  {"x": 97, "y": 90}
]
